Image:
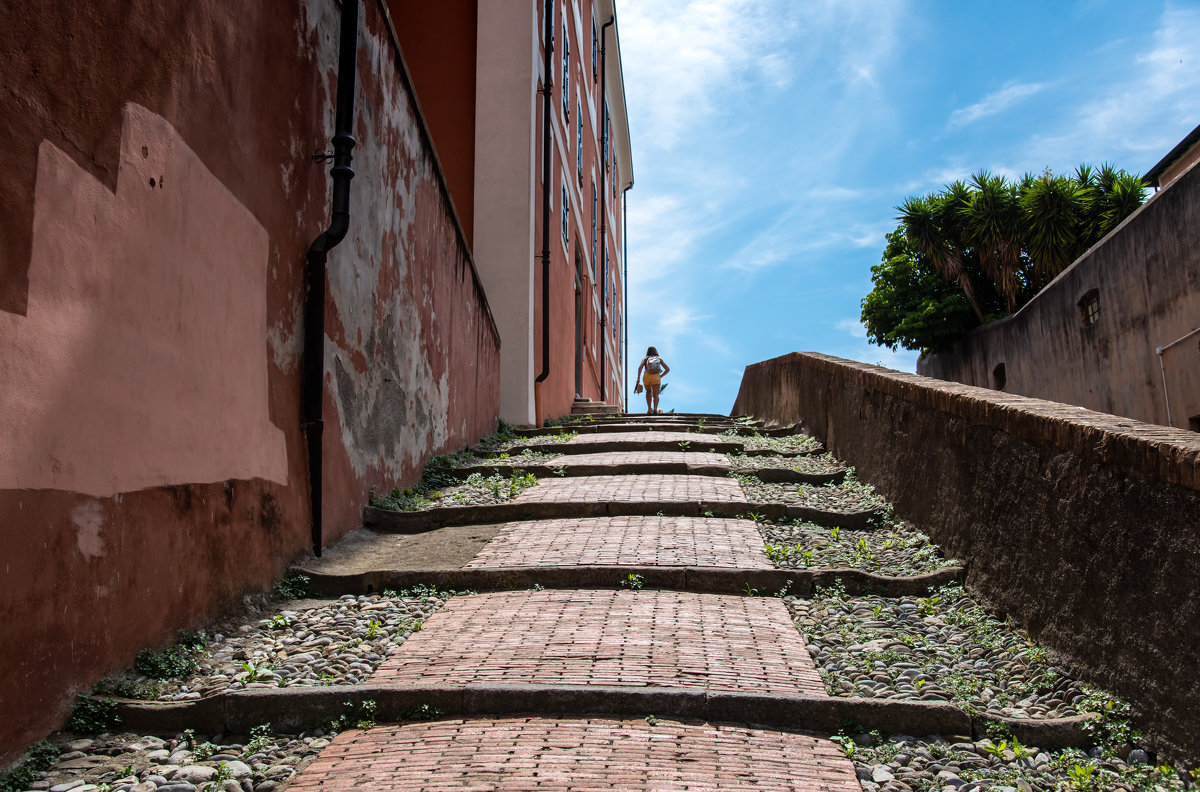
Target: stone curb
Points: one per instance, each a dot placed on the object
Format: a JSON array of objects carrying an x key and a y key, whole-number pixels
[
  {"x": 642, "y": 417},
  {"x": 614, "y": 427},
  {"x": 617, "y": 446},
  {"x": 769, "y": 475},
  {"x": 294, "y": 709},
  {"x": 701, "y": 580},
  {"x": 387, "y": 521}
]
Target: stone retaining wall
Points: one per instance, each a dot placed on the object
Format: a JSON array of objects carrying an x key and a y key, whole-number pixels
[{"x": 1083, "y": 527}]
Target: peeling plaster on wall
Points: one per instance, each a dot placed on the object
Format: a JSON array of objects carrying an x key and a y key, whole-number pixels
[
  {"x": 88, "y": 519},
  {"x": 287, "y": 343},
  {"x": 393, "y": 405}
]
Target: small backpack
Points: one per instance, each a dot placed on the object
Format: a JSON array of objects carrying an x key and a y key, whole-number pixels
[{"x": 654, "y": 365}]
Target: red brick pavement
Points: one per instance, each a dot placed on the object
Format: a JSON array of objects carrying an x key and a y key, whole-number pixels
[
  {"x": 576, "y": 755},
  {"x": 642, "y": 638},
  {"x": 634, "y": 489},
  {"x": 626, "y": 541}
]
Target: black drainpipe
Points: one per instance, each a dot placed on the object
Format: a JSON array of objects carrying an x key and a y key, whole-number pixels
[
  {"x": 603, "y": 212},
  {"x": 547, "y": 109},
  {"x": 318, "y": 253},
  {"x": 625, "y": 290}
]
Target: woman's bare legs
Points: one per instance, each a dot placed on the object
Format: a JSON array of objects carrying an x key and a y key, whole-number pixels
[{"x": 652, "y": 390}]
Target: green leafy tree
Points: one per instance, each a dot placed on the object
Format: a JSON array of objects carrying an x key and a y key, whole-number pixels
[{"x": 913, "y": 305}]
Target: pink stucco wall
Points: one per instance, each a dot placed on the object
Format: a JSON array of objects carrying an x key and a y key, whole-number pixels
[{"x": 159, "y": 202}]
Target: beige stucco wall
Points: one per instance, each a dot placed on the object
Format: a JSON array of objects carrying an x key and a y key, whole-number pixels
[
  {"x": 505, "y": 140},
  {"x": 1147, "y": 275}
]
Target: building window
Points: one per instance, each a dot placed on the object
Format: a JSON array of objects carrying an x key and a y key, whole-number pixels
[
  {"x": 999, "y": 378},
  {"x": 604, "y": 138},
  {"x": 566, "y": 81},
  {"x": 1194, "y": 423},
  {"x": 579, "y": 142},
  {"x": 593, "y": 229},
  {"x": 605, "y": 290},
  {"x": 595, "y": 53},
  {"x": 1089, "y": 308},
  {"x": 566, "y": 213}
]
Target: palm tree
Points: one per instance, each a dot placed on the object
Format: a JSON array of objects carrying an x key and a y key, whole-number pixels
[
  {"x": 1124, "y": 193},
  {"x": 930, "y": 230},
  {"x": 992, "y": 222},
  {"x": 1054, "y": 209}
]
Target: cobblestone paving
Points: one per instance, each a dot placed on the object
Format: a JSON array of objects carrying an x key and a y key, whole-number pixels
[
  {"x": 634, "y": 489},
  {"x": 567, "y": 754},
  {"x": 637, "y": 638},
  {"x": 626, "y": 541}
]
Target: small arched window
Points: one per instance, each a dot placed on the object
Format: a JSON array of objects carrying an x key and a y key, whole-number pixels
[
  {"x": 999, "y": 378},
  {"x": 1089, "y": 308}
]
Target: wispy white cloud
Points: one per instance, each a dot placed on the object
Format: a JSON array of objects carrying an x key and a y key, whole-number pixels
[
  {"x": 852, "y": 327},
  {"x": 686, "y": 52},
  {"x": 995, "y": 103},
  {"x": 1136, "y": 118}
]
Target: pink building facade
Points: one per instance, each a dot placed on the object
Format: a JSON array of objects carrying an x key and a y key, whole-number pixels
[
  {"x": 535, "y": 142},
  {"x": 160, "y": 196}
]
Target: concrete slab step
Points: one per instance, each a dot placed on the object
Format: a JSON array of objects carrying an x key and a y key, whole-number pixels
[
  {"x": 704, "y": 580},
  {"x": 675, "y": 426},
  {"x": 647, "y": 462}
]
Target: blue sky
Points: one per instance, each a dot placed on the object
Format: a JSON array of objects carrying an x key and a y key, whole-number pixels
[{"x": 773, "y": 139}]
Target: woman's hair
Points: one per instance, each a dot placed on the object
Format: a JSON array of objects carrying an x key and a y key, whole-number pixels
[{"x": 651, "y": 351}]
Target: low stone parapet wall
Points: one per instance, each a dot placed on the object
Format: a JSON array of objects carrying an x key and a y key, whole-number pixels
[{"x": 1082, "y": 527}]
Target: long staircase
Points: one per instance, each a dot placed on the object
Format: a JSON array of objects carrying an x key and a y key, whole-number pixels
[{"x": 638, "y": 603}]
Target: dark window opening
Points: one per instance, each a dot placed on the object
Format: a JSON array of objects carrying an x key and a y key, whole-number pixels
[
  {"x": 566, "y": 80},
  {"x": 1089, "y": 308},
  {"x": 566, "y": 214},
  {"x": 1194, "y": 423},
  {"x": 999, "y": 379}
]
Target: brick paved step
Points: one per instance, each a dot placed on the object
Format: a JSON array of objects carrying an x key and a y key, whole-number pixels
[
  {"x": 626, "y": 541},
  {"x": 648, "y": 638},
  {"x": 647, "y": 462},
  {"x": 519, "y": 754},
  {"x": 699, "y": 580},
  {"x": 296, "y": 708}
]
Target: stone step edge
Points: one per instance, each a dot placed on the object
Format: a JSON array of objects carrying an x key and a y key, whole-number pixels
[
  {"x": 297, "y": 708},
  {"x": 617, "y": 446},
  {"x": 615, "y": 428},
  {"x": 387, "y": 521},
  {"x": 699, "y": 580},
  {"x": 768, "y": 475},
  {"x": 622, "y": 446},
  {"x": 640, "y": 416}
]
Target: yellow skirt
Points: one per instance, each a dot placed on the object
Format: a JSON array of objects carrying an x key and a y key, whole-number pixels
[{"x": 649, "y": 379}]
